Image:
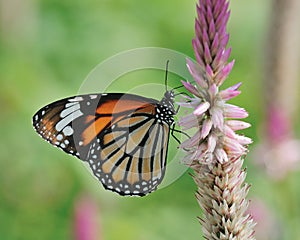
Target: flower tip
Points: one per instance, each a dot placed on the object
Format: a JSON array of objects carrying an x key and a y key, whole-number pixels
[
  {"x": 232, "y": 111},
  {"x": 236, "y": 86},
  {"x": 229, "y": 66},
  {"x": 207, "y": 126},
  {"x": 223, "y": 74},
  {"x": 236, "y": 125},
  {"x": 202, "y": 108},
  {"x": 209, "y": 71},
  {"x": 191, "y": 88}
]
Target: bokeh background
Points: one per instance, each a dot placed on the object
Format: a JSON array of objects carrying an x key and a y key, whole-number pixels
[{"x": 47, "y": 48}]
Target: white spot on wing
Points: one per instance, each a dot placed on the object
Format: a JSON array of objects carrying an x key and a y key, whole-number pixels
[
  {"x": 93, "y": 96},
  {"x": 65, "y": 121},
  {"x": 76, "y": 99},
  {"x": 68, "y": 131},
  {"x": 59, "y": 137},
  {"x": 69, "y": 110},
  {"x": 71, "y": 104}
]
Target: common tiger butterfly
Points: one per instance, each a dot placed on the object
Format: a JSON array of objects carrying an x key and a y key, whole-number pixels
[{"x": 123, "y": 137}]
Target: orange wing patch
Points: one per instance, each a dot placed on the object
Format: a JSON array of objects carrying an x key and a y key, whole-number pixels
[
  {"x": 114, "y": 108},
  {"x": 118, "y": 106},
  {"x": 94, "y": 129}
]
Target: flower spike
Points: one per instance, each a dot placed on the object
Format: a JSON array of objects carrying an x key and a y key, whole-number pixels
[{"x": 216, "y": 151}]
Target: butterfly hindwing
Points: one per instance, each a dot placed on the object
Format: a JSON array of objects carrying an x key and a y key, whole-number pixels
[{"x": 130, "y": 156}]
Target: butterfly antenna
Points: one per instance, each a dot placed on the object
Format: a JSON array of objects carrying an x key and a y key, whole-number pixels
[
  {"x": 181, "y": 86},
  {"x": 166, "y": 76}
]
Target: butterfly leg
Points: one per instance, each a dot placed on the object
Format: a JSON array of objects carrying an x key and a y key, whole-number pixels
[
  {"x": 177, "y": 110},
  {"x": 172, "y": 134},
  {"x": 178, "y": 131}
]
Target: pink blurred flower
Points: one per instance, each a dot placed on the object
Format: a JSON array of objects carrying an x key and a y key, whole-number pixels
[
  {"x": 279, "y": 153},
  {"x": 267, "y": 228},
  {"x": 86, "y": 219}
]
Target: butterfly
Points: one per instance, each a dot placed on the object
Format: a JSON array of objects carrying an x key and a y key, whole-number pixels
[{"x": 123, "y": 137}]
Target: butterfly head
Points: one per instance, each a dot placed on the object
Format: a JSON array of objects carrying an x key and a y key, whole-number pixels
[
  {"x": 168, "y": 101},
  {"x": 166, "y": 109}
]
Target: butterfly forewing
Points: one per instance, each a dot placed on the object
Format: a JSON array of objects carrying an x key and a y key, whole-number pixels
[
  {"x": 123, "y": 137},
  {"x": 61, "y": 123}
]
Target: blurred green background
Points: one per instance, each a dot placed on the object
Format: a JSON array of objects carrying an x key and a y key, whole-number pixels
[{"x": 47, "y": 48}]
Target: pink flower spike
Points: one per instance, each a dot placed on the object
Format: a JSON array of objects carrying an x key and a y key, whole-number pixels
[
  {"x": 205, "y": 38},
  {"x": 215, "y": 151},
  {"x": 209, "y": 13},
  {"x": 229, "y": 132},
  {"x": 213, "y": 90},
  {"x": 235, "y": 86},
  {"x": 229, "y": 94},
  {"x": 221, "y": 57},
  {"x": 206, "y": 127},
  {"x": 207, "y": 55},
  {"x": 211, "y": 143},
  {"x": 212, "y": 30},
  {"x": 236, "y": 125},
  {"x": 217, "y": 62},
  {"x": 221, "y": 155},
  {"x": 243, "y": 140},
  {"x": 234, "y": 146},
  {"x": 209, "y": 71},
  {"x": 223, "y": 74},
  {"x": 215, "y": 44},
  {"x": 202, "y": 108},
  {"x": 197, "y": 27},
  {"x": 232, "y": 111},
  {"x": 196, "y": 74},
  {"x": 188, "y": 121},
  {"x": 184, "y": 104},
  {"x": 191, "y": 88},
  {"x": 200, "y": 152},
  {"x": 224, "y": 41},
  {"x": 198, "y": 48},
  {"x": 202, "y": 21},
  {"x": 188, "y": 159},
  {"x": 226, "y": 55},
  {"x": 217, "y": 117},
  {"x": 191, "y": 141}
]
